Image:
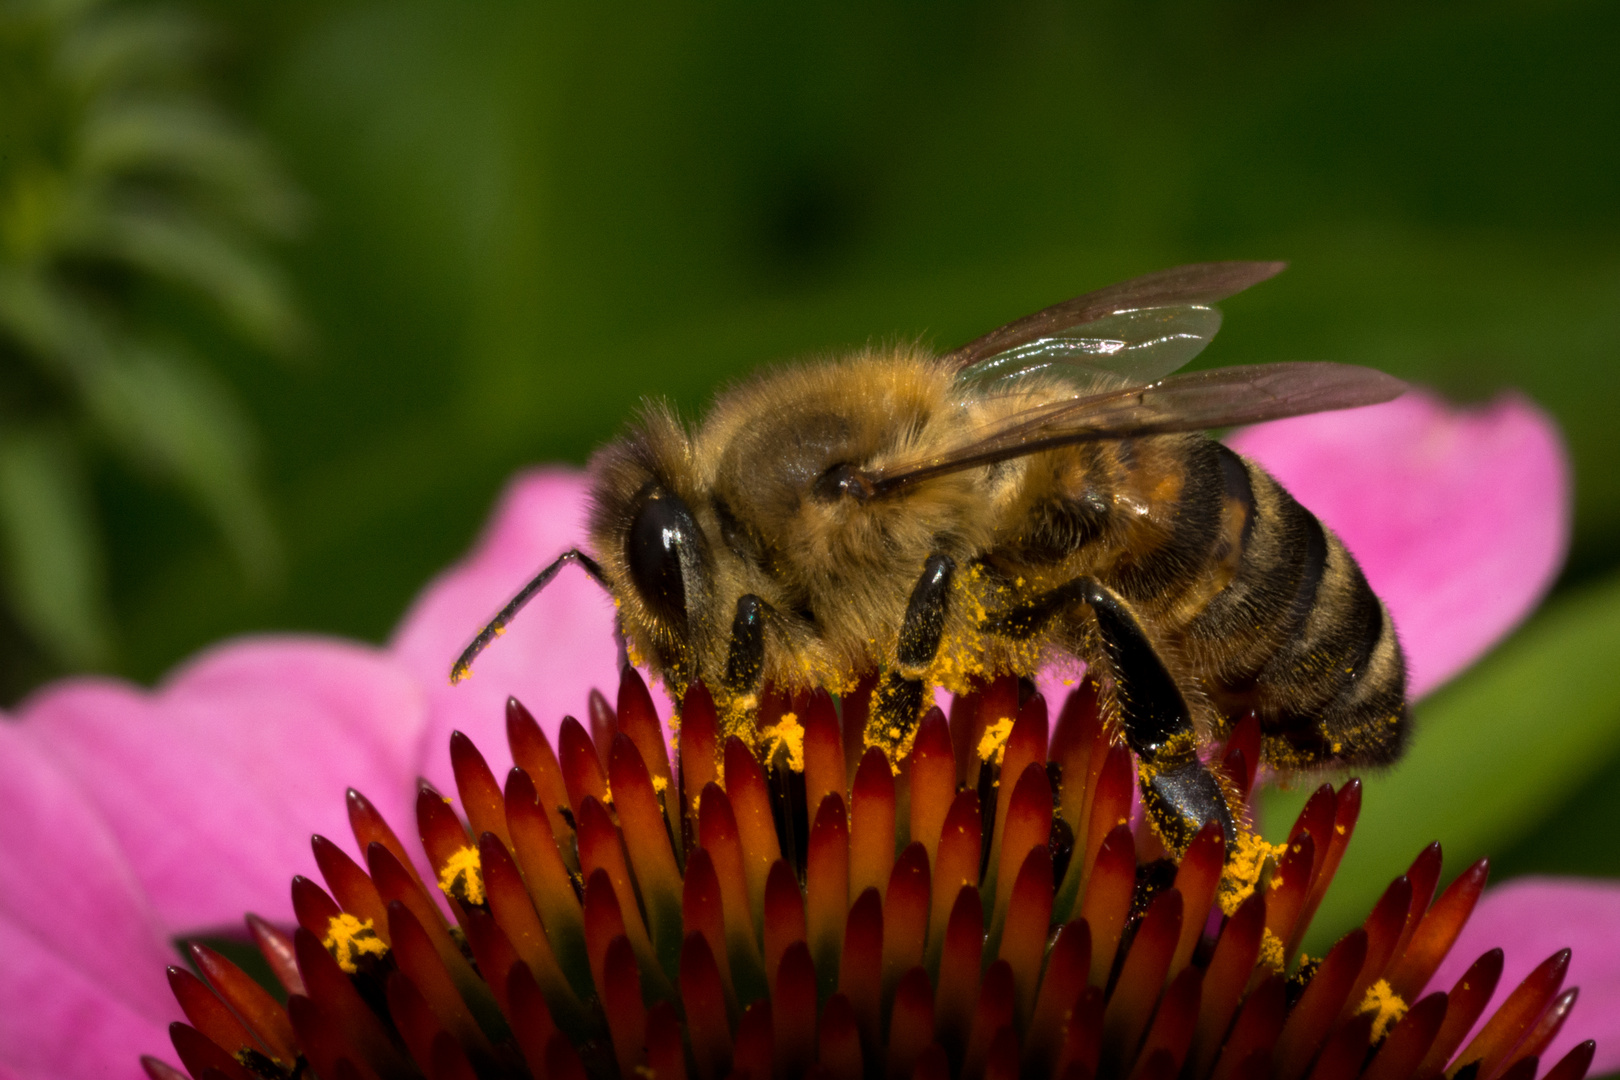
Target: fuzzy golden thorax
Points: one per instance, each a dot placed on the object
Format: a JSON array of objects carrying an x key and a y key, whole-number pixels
[{"x": 836, "y": 572}]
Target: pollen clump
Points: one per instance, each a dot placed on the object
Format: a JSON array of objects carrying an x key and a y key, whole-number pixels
[
  {"x": 348, "y": 939},
  {"x": 786, "y": 733},
  {"x": 1242, "y": 872},
  {"x": 1271, "y": 951},
  {"x": 462, "y": 877},
  {"x": 1386, "y": 1003},
  {"x": 993, "y": 744}
]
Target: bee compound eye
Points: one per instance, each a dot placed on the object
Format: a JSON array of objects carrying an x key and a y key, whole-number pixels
[{"x": 662, "y": 535}]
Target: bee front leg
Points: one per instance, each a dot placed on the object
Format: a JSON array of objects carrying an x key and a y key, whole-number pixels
[
  {"x": 1179, "y": 793},
  {"x": 745, "y": 659},
  {"x": 898, "y": 703}
]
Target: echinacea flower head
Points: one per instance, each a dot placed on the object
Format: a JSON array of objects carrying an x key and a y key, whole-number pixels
[{"x": 801, "y": 907}]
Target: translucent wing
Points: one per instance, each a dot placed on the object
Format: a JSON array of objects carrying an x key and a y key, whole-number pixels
[
  {"x": 1131, "y": 333},
  {"x": 1191, "y": 402},
  {"x": 1123, "y": 348}
]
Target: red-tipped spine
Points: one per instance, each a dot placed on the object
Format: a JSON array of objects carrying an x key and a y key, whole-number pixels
[
  {"x": 860, "y": 968},
  {"x": 933, "y": 781},
  {"x": 519, "y": 923},
  {"x": 959, "y": 968},
  {"x": 369, "y": 828},
  {"x": 531, "y": 752},
  {"x": 546, "y": 879},
  {"x": 905, "y": 916},
  {"x": 1023, "y": 935},
  {"x": 700, "y": 749},
  {"x": 646, "y": 836},
  {"x": 911, "y": 1023},
  {"x": 823, "y": 752},
  {"x": 793, "y": 1011},
  {"x": 481, "y": 798},
  {"x": 621, "y": 1000},
  {"x": 827, "y": 889},
  {"x": 871, "y": 827},
  {"x": 784, "y": 915},
  {"x": 1067, "y": 967},
  {"x": 1131, "y": 1005},
  {"x": 993, "y": 1011},
  {"x": 1255, "y": 1031},
  {"x": 1467, "y": 1001},
  {"x": 1313, "y": 1015},
  {"x": 756, "y": 827},
  {"x": 1438, "y": 932},
  {"x": 582, "y": 772},
  {"x": 1107, "y": 900},
  {"x": 209, "y": 1015},
  {"x": 666, "y": 1056},
  {"x": 703, "y": 913},
  {"x": 1508, "y": 1026},
  {"x": 1024, "y": 821},
  {"x": 262, "y": 1014},
  {"x": 350, "y": 886},
  {"x": 420, "y": 963},
  {"x": 704, "y": 999},
  {"x": 717, "y": 832},
  {"x": 602, "y": 848},
  {"x": 1172, "y": 1028},
  {"x": 335, "y": 997},
  {"x": 955, "y": 867},
  {"x": 277, "y": 949},
  {"x": 1197, "y": 878},
  {"x": 1026, "y": 746},
  {"x": 1224, "y": 980}
]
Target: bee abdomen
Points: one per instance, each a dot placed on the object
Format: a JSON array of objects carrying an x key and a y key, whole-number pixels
[{"x": 1298, "y": 635}]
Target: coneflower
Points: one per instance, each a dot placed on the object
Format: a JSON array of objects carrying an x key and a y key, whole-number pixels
[{"x": 798, "y": 907}]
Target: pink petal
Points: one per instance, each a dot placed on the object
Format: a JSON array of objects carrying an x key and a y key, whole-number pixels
[
  {"x": 214, "y": 782},
  {"x": 1530, "y": 919},
  {"x": 555, "y": 652},
  {"x": 1459, "y": 517},
  {"x": 82, "y": 990}
]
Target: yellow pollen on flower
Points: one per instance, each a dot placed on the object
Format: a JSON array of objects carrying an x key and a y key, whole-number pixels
[
  {"x": 993, "y": 744},
  {"x": 1243, "y": 870},
  {"x": 348, "y": 939},
  {"x": 660, "y": 785},
  {"x": 607, "y": 794},
  {"x": 463, "y": 877},
  {"x": 789, "y": 733},
  {"x": 1384, "y": 1001},
  {"x": 1271, "y": 951}
]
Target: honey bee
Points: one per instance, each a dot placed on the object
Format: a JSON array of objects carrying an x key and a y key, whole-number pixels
[{"x": 1043, "y": 492}]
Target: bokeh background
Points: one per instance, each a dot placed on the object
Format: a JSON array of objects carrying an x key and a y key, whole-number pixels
[{"x": 414, "y": 245}]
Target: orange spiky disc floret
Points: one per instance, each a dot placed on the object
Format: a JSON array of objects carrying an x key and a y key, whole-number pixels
[{"x": 984, "y": 910}]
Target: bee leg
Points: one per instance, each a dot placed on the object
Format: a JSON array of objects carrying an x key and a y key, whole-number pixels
[
  {"x": 745, "y": 660},
  {"x": 899, "y": 700},
  {"x": 1179, "y": 793}
]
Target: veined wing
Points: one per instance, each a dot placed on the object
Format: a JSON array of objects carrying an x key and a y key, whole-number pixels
[
  {"x": 1191, "y": 402},
  {"x": 1127, "y": 334}
]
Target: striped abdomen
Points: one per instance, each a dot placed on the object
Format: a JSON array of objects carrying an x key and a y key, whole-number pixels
[{"x": 1254, "y": 598}]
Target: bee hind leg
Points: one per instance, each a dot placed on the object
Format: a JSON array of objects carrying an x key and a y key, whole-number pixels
[
  {"x": 1178, "y": 791},
  {"x": 898, "y": 702}
]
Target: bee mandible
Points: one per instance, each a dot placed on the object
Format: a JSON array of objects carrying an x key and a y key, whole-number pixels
[{"x": 1043, "y": 493}]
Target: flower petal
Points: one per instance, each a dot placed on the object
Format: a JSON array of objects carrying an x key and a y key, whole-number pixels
[
  {"x": 1531, "y": 918},
  {"x": 214, "y": 782},
  {"x": 1460, "y": 518},
  {"x": 554, "y": 653},
  {"x": 82, "y": 981}
]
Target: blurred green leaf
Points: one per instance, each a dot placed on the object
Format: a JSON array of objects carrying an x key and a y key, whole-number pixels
[
  {"x": 1492, "y": 754},
  {"x": 52, "y": 568}
]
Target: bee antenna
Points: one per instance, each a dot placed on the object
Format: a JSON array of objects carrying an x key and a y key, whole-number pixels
[{"x": 497, "y": 626}]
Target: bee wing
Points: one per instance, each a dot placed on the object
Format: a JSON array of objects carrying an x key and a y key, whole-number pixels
[
  {"x": 1191, "y": 402},
  {"x": 1131, "y": 333}
]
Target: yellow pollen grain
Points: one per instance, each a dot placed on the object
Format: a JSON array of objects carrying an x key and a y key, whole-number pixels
[
  {"x": 463, "y": 877},
  {"x": 789, "y": 733},
  {"x": 1388, "y": 1005},
  {"x": 993, "y": 743},
  {"x": 660, "y": 785},
  {"x": 1243, "y": 870},
  {"x": 607, "y": 794},
  {"x": 1271, "y": 951},
  {"x": 348, "y": 939}
]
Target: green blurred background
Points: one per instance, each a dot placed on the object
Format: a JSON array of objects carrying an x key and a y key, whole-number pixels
[{"x": 518, "y": 218}]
